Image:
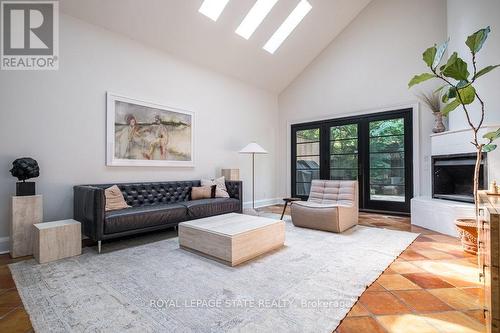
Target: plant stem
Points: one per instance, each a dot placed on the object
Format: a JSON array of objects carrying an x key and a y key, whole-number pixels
[{"x": 475, "y": 130}]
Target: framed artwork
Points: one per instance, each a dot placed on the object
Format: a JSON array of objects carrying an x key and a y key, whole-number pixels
[{"x": 142, "y": 133}]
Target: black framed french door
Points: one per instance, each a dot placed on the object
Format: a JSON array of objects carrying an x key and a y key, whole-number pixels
[{"x": 375, "y": 149}]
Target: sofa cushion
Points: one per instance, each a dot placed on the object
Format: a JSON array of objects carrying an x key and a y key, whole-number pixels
[
  {"x": 209, "y": 207},
  {"x": 143, "y": 217},
  {"x": 202, "y": 192},
  {"x": 114, "y": 199}
]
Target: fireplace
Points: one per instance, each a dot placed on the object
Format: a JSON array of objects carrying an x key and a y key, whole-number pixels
[{"x": 453, "y": 176}]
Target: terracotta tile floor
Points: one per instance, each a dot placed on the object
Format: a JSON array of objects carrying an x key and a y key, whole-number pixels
[{"x": 431, "y": 287}]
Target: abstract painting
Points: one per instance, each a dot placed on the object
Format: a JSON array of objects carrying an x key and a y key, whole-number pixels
[{"x": 147, "y": 134}]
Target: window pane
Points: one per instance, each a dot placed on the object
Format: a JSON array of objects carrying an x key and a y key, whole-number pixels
[
  {"x": 344, "y": 146},
  {"x": 387, "y": 176},
  {"x": 343, "y": 174},
  {"x": 307, "y": 175},
  {"x": 387, "y": 144},
  {"x": 344, "y": 132},
  {"x": 387, "y": 173},
  {"x": 307, "y": 163},
  {"x": 303, "y": 188},
  {"x": 344, "y": 161},
  {"x": 304, "y": 149},
  {"x": 387, "y": 193},
  {"x": 308, "y": 135},
  {"x": 387, "y": 160},
  {"x": 387, "y": 127}
]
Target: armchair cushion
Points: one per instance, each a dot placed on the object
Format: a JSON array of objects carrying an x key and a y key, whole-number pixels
[{"x": 332, "y": 206}]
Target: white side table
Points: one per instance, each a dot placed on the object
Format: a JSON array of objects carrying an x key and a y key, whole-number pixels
[
  {"x": 57, "y": 240},
  {"x": 25, "y": 211}
]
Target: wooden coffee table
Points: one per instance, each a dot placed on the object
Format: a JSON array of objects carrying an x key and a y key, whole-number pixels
[{"x": 232, "y": 238}]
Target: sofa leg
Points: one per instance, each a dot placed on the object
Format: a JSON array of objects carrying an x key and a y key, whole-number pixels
[{"x": 98, "y": 246}]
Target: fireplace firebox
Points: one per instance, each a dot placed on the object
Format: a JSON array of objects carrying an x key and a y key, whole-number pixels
[{"x": 453, "y": 176}]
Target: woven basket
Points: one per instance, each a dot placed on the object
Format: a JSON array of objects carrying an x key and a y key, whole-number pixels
[{"x": 467, "y": 230}]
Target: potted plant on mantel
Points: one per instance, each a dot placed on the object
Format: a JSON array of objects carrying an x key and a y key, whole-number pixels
[
  {"x": 432, "y": 101},
  {"x": 459, "y": 92}
]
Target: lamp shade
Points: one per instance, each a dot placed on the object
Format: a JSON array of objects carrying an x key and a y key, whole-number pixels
[{"x": 253, "y": 148}]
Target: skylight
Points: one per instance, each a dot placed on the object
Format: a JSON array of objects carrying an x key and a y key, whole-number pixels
[
  {"x": 286, "y": 28},
  {"x": 213, "y": 8},
  {"x": 255, "y": 17}
]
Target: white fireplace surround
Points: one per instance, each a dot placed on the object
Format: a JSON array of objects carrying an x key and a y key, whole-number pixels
[{"x": 439, "y": 215}]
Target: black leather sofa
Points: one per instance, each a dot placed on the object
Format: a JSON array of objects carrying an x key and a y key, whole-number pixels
[{"x": 154, "y": 206}]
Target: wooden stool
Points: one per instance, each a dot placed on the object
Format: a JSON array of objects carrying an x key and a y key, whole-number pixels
[
  {"x": 287, "y": 201},
  {"x": 57, "y": 240}
]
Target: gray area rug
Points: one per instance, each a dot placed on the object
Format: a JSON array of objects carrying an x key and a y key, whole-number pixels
[{"x": 308, "y": 286}]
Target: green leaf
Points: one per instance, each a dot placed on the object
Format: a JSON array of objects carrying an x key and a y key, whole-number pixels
[
  {"x": 467, "y": 94},
  {"x": 450, "y": 107},
  {"x": 420, "y": 78},
  {"x": 492, "y": 135},
  {"x": 485, "y": 70},
  {"x": 489, "y": 147},
  {"x": 439, "y": 54},
  {"x": 456, "y": 68},
  {"x": 429, "y": 55},
  {"x": 452, "y": 93},
  {"x": 476, "y": 40}
]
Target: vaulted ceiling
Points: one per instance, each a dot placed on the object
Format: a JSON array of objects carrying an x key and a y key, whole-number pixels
[{"x": 176, "y": 26}]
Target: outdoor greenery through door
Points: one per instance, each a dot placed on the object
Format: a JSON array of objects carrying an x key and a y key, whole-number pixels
[{"x": 374, "y": 149}]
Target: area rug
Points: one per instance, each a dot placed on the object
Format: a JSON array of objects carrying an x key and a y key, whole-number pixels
[{"x": 307, "y": 286}]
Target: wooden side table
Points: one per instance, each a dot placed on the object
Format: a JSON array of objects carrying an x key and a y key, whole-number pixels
[
  {"x": 288, "y": 201},
  {"x": 57, "y": 240}
]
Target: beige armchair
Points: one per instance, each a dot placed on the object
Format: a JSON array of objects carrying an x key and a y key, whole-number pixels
[{"x": 332, "y": 206}]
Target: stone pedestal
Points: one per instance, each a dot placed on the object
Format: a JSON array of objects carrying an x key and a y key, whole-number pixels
[
  {"x": 57, "y": 240},
  {"x": 26, "y": 211}
]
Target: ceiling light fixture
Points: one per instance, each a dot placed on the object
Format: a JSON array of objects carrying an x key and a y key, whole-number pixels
[
  {"x": 286, "y": 28},
  {"x": 255, "y": 17},
  {"x": 213, "y": 8}
]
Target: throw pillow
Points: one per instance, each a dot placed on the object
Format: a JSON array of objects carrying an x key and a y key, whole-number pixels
[
  {"x": 114, "y": 199},
  {"x": 202, "y": 192},
  {"x": 220, "y": 190}
]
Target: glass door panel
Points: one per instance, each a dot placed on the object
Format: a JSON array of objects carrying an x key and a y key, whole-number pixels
[
  {"x": 344, "y": 152},
  {"x": 387, "y": 160},
  {"x": 374, "y": 149},
  {"x": 307, "y": 154}
]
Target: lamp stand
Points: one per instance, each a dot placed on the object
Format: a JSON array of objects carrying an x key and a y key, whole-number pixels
[
  {"x": 253, "y": 148},
  {"x": 253, "y": 181}
]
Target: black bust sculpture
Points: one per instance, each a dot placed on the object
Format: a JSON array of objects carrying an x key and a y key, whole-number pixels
[{"x": 25, "y": 168}]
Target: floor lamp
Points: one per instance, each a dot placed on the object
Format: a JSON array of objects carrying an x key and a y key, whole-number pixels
[{"x": 253, "y": 148}]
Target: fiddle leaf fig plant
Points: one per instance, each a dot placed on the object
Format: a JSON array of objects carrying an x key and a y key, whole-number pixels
[{"x": 459, "y": 91}]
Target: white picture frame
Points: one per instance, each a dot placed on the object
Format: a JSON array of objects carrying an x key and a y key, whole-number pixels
[{"x": 133, "y": 139}]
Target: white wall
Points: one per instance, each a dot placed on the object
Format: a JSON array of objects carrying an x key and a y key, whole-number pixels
[
  {"x": 464, "y": 18},
  {"x": 367, "y": 67},
  {"x": 58, "y": 117}
]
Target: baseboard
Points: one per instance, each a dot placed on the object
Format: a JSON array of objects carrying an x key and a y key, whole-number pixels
[
  {"x": 262, "y": 203},
  {"x": 4, "y": 245}
]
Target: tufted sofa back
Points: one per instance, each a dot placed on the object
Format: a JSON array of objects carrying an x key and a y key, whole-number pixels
[
  {"x": 341, "y": 192},
  {"x": 152, "y": 193}
]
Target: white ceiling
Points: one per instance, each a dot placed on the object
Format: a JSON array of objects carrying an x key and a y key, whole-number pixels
[{"x": 177, "y": 27}]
